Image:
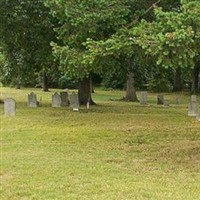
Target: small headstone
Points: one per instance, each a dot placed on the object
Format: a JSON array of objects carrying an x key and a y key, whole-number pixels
[
  {"x": 64, "y": 99},
  {"x": 32, "y": 100},
  {"x": 9, "y": 107},
  {"x": 166, "y": 103},
  {"x": 194, "y": 98},
  {"x": 143, "y": 97},
  {"x": 160, "y": 99},
  {"x": 74, "y": 102},
  {"x": 56, "y": 100},
  {"x": 192, "y": 109},
  {"x": 198, "y": 116}
]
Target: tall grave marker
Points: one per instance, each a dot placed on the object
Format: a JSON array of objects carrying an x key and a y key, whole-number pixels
[
  {"x": 160, "y": 99},
  {"x": 143, "y": 97},
  {"x": 9, "y": 107},
  {"x": 32, "y": 100},
  {"x": 64, "y": 99},
  {"x": 56, "y": 100},
  {"x": 193, "y": 106},
  {"x": 74, "y": 102}
]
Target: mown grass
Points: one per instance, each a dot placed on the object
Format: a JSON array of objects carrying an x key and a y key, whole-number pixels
[{"x": 116, "y": 150}]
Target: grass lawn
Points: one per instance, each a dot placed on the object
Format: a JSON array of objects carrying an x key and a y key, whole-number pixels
[{"x": 114, "y": 151}]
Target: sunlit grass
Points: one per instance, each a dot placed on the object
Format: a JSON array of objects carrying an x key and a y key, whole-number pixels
[{"x": 116, "y": 150}]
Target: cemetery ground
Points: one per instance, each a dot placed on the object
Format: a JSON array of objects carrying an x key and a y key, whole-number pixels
[{"x": 114, "y": 150}]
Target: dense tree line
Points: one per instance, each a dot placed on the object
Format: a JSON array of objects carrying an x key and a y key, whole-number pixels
[{"x": 131, "y": 44}]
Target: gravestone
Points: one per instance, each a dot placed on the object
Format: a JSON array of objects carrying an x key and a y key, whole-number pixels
[
  {"x": 32, "y": 100},
  {"x": 192, "y": 109},
  {"x": 166, "y": 103},
  {"x": 74, "y": 101},
  {"x": 160, "y": 99},
  {"x": 64, "y": 99},
  {"x": 193, "y": 106},
  {"x": 9, "y": 107},
  {"x": 56, "y": 100},
  {"x": 198, "y": 116},
  {"x": 143, "y": 97}
]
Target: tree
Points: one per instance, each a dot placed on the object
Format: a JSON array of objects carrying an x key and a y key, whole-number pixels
[
  {"x": 80, "y": 20},
  {"x": 173, "y": 38},
  {"x": 26, "y": 30}
]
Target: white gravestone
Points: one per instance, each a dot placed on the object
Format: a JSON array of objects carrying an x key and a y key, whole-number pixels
[{"x": 9, "y": 107}]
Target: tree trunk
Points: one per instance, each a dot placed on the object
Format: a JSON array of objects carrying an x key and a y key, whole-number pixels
[
  {"x": 178, "y": 85},
  {"x": 195, "y": 78},
  {"x": 130, "y": 89},
  {"x": 91, "y": 85},
  {"x": 130, "y": 84},
  {"x": 45, "y": 82},
  {"x": 84, "y": 92}
]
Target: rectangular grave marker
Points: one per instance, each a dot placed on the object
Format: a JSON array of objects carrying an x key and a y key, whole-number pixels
[
  {"x": 32, "y": 100},
  {"x": 9, "y": 107},
  {"x": 192, "y": 109},
  {"x": 160, "y": 99},
  {"x": 143, "y": 97},
  {"x": 56, "y": 100},
  {"x": 74, "y": 101},
  {"x": 198, "y": 116},
  {"x": 64, "y": 99}
]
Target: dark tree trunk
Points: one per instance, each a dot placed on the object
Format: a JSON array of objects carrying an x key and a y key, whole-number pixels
[
  {"x": 130, "y": 89},
  {"x": 130, "y": 84},
  {"x": 84, "y": 91},
  {"x": 45, "y": 87},
  {"x": 91, "y": 85},
  {"x": 195, "y": 78},
  {"x": 178, "y": 85}
]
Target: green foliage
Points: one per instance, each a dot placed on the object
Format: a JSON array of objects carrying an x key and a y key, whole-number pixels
[
  {"x": 26, "y": 30},
  {"x": 173, "y": 37}
]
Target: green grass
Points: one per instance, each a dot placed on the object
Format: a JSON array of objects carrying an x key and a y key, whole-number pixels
[{"x": 116, "y": 150}]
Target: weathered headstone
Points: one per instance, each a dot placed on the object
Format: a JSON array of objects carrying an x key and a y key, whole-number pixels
[
  {"x": 64, "y": 99},
  {"x": 160, "y": 99},
  {"x": 198, "y": 116},
  {"x": 56, "y": 100},
  {"x": 192, "y": 108},
  {"x": 9, "y": 107},
  {"x": 166, "y": 103},
  {"x": 32, "y": 100},
  {"x": 74, "y": 102},
  {"x": 143, "y": 97}
]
